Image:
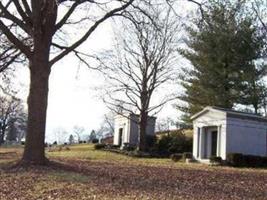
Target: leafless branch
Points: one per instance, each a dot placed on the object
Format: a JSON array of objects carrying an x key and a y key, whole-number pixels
[
  {"x": 143, "y": 61},
  {"x": 90, "y": 31}
]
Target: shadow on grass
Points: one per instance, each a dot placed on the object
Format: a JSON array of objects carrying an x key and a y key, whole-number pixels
[
  {"x": 155, "y": 182},
  {"x": 52, "y": 170}
]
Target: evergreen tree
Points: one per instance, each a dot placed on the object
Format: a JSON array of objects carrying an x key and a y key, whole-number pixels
[
  {"x": 71, "y": 139},
  {"x": 92, "y": 136},
  {"x": 222, "y": 47},
  {"x": 12, "y": 131},
  {"x": 254, "y": 93}
]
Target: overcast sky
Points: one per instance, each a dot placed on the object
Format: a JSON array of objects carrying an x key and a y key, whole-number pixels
[{"x": 73, "y": 99}]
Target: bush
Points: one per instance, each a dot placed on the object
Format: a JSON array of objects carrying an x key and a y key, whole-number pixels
[
  {"x": 215, "y": 159},
  {"x": 235, "y": 159},
  {"x": 128, "y": 147},
  {"x": 164, "y": 144},
  {"x": 176, "y": 157},
  {"x": 151, "y": 141},
  {"x": 22, "y": 143},
  {"x": 240, "y": 160},
  {"x": 187, "y": 155},
  {"x": 112, "y": 146},
  {"x": 174, "y": 143},
  {"x": 94, "y": 141},
  {"x": 254, "y": 161},
  {"x": 99, "y": 146},
  {"x": 139, "y": 154}
]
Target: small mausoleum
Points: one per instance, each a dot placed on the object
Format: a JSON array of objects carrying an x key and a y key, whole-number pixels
[
  {"x": 219, "y": 131},
  {"x": 126, "y": 129}
]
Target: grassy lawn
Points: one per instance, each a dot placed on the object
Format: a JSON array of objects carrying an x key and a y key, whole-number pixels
[{"x": 83, "y": 173}]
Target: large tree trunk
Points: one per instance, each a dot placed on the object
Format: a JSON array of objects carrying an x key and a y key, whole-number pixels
[
  {"x": 34, "y": 152},
  {"x": 142, "y": 131},
  {"x": 44, "y": 19}
]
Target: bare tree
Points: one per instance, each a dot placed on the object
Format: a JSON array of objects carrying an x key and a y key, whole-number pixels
[
  {"x": 78, "y": 131},
  {"x": 9, "y": 54},
  {"x": 21, "y": 125},
  {"x": 164, "y": 124},
  {"x": 38, "y": 31},
  {"x": 142, "y": 63},
  {"x": 60, "y": 135},
  {"x": 10, "y": 110},
  {"x": 106, "y": 128},
  {"x": 107, "y": 125}
]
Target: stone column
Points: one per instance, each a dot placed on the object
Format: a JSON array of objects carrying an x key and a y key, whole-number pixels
[
  {"x": 201, "y": 143},
  {"x": 219, "y": 140}
]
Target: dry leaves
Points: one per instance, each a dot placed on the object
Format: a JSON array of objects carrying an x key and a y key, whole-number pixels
[{"x": 80, "y": 179}]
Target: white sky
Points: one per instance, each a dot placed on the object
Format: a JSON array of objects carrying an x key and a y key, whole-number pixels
[{"x": 72, "y": 97}]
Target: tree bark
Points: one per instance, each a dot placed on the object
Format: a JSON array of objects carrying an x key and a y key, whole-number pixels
[
  {"x": 34, "y": 152},
  {"x": 43, "y": 30},
  {"x": 142, "y": 131}
]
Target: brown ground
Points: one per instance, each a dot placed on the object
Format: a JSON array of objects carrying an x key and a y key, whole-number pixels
[{"x": 85, "y": 178}]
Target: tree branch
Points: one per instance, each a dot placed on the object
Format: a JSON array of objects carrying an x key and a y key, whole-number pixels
[
  {"x": 89, "y": 32},
  {"x": 6, "y": 14},
  {"x": 22, "y": 13},
  {"x": 27, "y": 8},
  {"x": 68, "y": 14},
  {"x": 13, "y": 39}
]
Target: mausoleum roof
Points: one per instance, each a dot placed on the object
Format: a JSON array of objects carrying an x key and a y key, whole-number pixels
[{"x": 230, "y": 113}]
